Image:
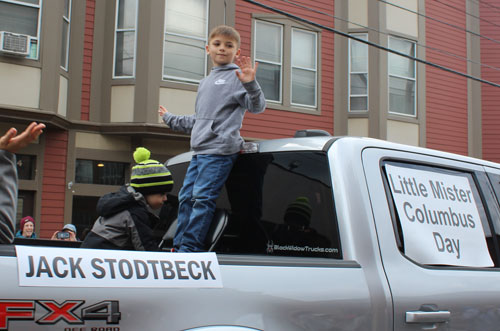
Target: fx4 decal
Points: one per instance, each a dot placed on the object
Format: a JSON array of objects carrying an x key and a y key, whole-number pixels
[{"x": 12, "y": 310}]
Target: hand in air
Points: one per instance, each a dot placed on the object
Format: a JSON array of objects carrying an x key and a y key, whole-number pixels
[
  {"x": 248, "y": 71},
  {"x": 13, "y": 142},
  {"x": 162, "y": 111}
]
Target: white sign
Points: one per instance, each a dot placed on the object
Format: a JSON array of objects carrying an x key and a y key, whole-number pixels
[
  {"x": 439, "y": 218},
  {"x": 70, "y": 267}
]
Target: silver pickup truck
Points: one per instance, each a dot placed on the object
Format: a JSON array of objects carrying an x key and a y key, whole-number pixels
[{"x": 314, "y": 233}]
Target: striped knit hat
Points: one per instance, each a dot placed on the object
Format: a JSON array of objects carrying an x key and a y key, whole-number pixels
[
  {"x": 299, "y": 211},
  {"x": 149, "y": 176}
]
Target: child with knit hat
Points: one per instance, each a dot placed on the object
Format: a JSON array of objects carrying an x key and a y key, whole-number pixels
[
  {"x": 297, "y": 231},
  {"x": 27, "y": 228},
  {"x": 126, "y": 217}
]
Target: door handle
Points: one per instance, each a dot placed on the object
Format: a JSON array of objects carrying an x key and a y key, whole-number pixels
[{"x": 419, "y": 316}]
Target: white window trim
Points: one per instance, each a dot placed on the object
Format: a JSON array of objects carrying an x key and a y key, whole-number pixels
[
  {"x": 117, "y": 2},
  {"x": 280, "y": 101},
  {"x": 68, "y": 20},
  {"x": 315, "y": 70},
  {"x": 389, "y": 75},
  {"x": 367, "y": 95},
  {"x": 37, "y": 38},
  {"x": 183, "y": 79}
]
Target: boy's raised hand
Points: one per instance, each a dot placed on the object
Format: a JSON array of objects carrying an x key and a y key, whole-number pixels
[
  {"x": 12, "y": 142},
  {"x": 248, "y": 72},
  {"x": 162, "y": 111}
]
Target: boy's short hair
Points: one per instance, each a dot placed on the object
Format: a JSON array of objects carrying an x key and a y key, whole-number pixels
[{"x": 227, "y": 31}]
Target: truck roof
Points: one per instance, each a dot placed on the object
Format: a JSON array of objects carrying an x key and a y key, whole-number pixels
[{"x": 320, "y": 143}]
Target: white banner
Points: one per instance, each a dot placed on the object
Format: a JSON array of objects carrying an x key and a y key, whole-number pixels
[
  {"x": 439, "y": 218},
  {"x": 73, "y": 267}
]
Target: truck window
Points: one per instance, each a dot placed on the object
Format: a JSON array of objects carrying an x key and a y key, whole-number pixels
[
  {"x": 278, "y": 204},
  {"x": 438, "y": 215}
]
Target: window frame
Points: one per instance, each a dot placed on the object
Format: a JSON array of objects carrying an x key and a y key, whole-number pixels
[
  {"x": 349, "y": 79},
  {"x": 33, "y": 39},
  {"x": 68, "y": 33},
  {"x": 414, "y": 79},
  {"x": 116, "y": 31},
  {"x": 166, "y": 77},
  {"x": 286, "y": 44}
]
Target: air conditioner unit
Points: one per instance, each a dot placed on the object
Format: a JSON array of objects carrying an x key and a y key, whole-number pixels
[{"x": 14, "y": 43}]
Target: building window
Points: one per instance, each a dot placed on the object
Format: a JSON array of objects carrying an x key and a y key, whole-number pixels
[
  {"x": 125, "y": 38},
  {"x": 185, "y": 37},
  {"x": 25, "y": 205},
  {"x": 84, "y": 214},
  {"x": 289, "y": 81},
  {"x": 304, "y": 68},
  {"x": 26, "y": 166},
  {"x": 268, "y": 52},
  {"x": 100, "y": 172},
  {"x": 402, "y": 78},
  {"x": 23, "y": 17},
  {"x": 66, "y": 23},
  {"x": 358, "y": 74}
]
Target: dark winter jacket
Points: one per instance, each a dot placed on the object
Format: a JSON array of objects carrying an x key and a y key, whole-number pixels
[{"x": 125, "y": 222}]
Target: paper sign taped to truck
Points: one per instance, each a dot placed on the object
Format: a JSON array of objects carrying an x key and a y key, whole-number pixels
[
  {"x": 69, "y": 267},
  {"x": 439, "y": 217}
]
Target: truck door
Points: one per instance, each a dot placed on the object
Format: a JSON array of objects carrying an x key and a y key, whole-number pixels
[{"x": 438, "y": 232}]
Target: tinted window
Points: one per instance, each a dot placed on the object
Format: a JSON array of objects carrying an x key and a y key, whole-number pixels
[{"x": 278, "y": 204}]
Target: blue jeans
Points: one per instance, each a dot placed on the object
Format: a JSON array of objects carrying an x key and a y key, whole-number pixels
[{"x": 203, "y": 183}]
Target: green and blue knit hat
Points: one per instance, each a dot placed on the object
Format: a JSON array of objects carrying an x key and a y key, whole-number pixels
[
  {"x": 149, "y": 176},
  {"x": 299, "y": 211}
]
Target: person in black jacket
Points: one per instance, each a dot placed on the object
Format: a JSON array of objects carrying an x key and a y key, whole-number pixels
[{"x": 126, "y": 218}]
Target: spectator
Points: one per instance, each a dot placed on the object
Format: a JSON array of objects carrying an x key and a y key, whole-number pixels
[
  {"x": 68, "y": 233},
  {"x": 11, "y": 143},
  {"x": 27, "y": 228}
]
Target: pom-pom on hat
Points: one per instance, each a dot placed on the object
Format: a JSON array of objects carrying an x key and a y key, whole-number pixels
[
  {"x": 25, "y": 220},
  {"x": 149, "y": 176}
]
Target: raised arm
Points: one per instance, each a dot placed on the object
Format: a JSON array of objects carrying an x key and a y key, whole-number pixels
[
  {"x": 254, "y": 99},
  {"x": 181, "y": 123},
  {"x": 10, "y": 143}
]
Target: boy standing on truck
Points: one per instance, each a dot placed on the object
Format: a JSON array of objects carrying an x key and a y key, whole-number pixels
[{"x": 223, "y": 98}]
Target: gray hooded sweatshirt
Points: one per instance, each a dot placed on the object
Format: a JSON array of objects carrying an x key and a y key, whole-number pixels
[{"x": 220, "y": 106}]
